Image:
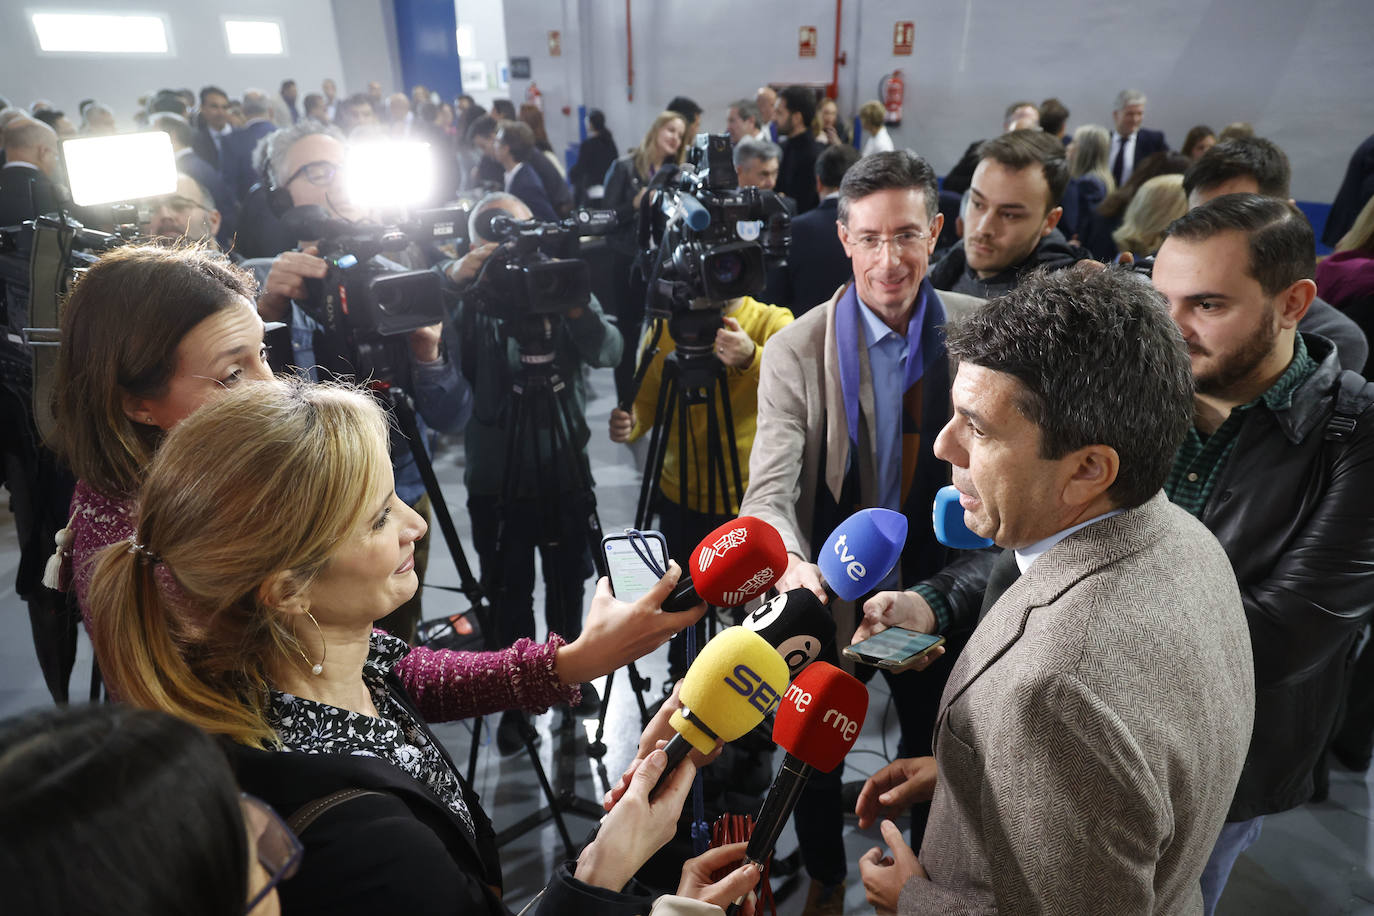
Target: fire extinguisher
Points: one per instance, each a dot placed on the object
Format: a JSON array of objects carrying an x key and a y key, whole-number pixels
[
  {"x": 536, "y": 98},
  {"x": 891, "y": 88}
]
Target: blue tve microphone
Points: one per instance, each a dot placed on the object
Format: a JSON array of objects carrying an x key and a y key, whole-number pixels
[
  {"x": 950, "y": 529},
  {"x": 862, "y": 551}
]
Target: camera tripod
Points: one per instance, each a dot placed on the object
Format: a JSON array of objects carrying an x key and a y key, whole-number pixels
[
  {"x": 539, "y": 426},
  {"x": 387, "y": 387},
  {"x": 692, "y": 376}
]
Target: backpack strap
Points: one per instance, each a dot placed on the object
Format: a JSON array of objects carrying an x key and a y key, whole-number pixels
[
  {"x": 301, "y": 819},
  {"x": 1353, "y": 397}
]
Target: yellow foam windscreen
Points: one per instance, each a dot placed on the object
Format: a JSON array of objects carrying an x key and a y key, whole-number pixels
[{"x": 736, "y": 680}]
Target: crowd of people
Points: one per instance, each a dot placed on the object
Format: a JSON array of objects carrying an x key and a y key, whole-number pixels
[{"x": 1147, "y": 391}]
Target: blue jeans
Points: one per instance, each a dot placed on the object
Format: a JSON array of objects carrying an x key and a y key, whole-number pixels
[{"x": 1236, "y": 837}]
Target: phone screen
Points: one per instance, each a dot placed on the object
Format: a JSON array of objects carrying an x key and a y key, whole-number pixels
[
  {"x": 895, "y": 645},
  {"x": 630, "y": 576}
]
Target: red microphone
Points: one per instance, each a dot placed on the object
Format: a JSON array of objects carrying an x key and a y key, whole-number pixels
[
  {"x": 732, "y": 565},
  {"x": 817, "y": 722}
]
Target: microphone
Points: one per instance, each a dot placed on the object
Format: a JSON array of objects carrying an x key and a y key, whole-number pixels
[
  {"x": 735, "y": 681},
  {"x": 733, "y": 564},
  {"x": 950, "y": 528},
  {"x": 817, "y": 723},
  {"x": 796, "y": 624},
  {"x": 861, "y": 551}
]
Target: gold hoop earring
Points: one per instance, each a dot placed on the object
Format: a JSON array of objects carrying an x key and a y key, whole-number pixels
[{"x": 316, "y": 668}]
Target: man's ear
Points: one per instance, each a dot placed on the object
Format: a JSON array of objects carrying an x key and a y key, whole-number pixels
[
  {"x": 1295, "y": 301},
  {"x": 1094, "y": 470},
  {"x": 282, "y": 592},
  {"x": 1052, "y": 220},
  {"x": 937, "y": 225}
]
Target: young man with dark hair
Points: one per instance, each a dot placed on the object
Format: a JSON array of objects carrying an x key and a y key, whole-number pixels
[
  {"x": 1278, "y": 466},
  {"x": 793, "y": 114},
  {"x": 514, "y": 148},
  {"x": 1010, "y": 219},
  {"x": 1254, "y": 165},
  {"x": 691, "y": 116},
  {"x": 1018, "y": 116},
  {"x": 214, "y": 126},
  {"x": 1093, "y": 732},
  {"x": 1250, "y": 165}
]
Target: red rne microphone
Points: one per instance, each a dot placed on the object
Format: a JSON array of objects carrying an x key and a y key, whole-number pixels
[
  {"x": 732, "y": 565},
  {"x": 817, "y": 722}
]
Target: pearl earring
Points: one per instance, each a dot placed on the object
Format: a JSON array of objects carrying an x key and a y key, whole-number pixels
[{"x": 318, "y": 667}]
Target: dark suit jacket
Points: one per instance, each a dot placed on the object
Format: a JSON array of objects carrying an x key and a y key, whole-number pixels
[
  {"x": 797, "y": 171},
  {"x": 816, "y": 262},
  {"x": 26, "y": 193},
  {"x": 236, "y": 160},
  {"x": 1356, "y": 188},
  {"x": 527, "y": 186},
  {"x": 205, "y": 147},
  {"x": 1147, "y": 142}
]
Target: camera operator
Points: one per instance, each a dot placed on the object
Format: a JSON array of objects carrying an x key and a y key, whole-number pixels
[
  {"x": 746, "y": 324},
  {"x": 491, "y": 359},
  {"x": 307, "y": 161}
]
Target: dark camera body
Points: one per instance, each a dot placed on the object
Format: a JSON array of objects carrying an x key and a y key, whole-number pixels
[
  {"x": 536, "y": 270},
  {"x": 714, "y": 238},
  {"x": 360, "y": 297}
]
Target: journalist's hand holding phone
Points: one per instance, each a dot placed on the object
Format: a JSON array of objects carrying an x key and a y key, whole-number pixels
[
  {"x": 907, "y": 610},
  {"x": 616, "y": 632}
]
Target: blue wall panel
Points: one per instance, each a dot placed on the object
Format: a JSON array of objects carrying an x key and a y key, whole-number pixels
[{"x": 427, "y": 37}]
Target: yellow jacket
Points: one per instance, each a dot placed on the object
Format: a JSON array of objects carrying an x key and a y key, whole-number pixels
[{"x": 760, "y": 322}]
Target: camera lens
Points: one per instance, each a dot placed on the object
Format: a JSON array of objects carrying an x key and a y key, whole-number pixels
[{"x": 725, "y": 268}]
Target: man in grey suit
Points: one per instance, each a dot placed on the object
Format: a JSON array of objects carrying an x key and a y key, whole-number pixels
[{"x": 1092, "y": 733}]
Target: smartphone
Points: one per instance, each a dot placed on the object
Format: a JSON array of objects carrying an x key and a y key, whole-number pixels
[
  {"x": 630, "y": 576},
  {"x": 894, "y": 647}
]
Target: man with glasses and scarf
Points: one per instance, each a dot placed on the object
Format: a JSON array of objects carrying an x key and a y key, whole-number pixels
[{"x": 851, "y": 397}]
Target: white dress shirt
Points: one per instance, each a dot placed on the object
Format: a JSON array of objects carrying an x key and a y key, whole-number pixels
[{"x": 1028, "y": 555}]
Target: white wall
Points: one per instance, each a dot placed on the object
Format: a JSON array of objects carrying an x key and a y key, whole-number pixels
[
  {"x": 488, "y": 23},
  {"x": 366, "y": 33},
  {"x": 198, "y": 57},
  {"x": 1300, "y": 72}
]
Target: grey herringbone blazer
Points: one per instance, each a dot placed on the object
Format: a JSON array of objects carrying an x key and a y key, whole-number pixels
[{"x": 1091, "y": 735}]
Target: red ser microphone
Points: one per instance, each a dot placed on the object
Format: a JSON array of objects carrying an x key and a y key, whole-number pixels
[{"x": 732, "y": 565}]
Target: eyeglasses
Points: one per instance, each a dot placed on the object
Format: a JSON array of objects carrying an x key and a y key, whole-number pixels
[
  {"x": 318, "y": 173},
  {"x": 901, "y": 242},
  {"x": 279, "y": 849},
  {"x": 174, "y": 202}
]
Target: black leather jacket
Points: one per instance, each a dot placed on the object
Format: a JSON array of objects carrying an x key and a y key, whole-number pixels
[{"x": 1294, "y": 511}]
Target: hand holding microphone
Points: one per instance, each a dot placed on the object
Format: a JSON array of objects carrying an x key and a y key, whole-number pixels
[{"x": 859, "y": 554}]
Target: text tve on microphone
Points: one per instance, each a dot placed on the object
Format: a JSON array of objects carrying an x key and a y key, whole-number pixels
[
  {"x": 736, "y": 680},
  {"x": 950, "y": 528},
  {"x": 796, "y": 624},
  {"x": 861, "y": 551}
]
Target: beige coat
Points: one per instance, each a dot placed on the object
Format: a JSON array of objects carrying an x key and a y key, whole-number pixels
[{"x": 1092, "y": 733}]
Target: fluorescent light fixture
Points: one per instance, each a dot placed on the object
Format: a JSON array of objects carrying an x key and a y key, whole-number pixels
[
  {"x": 390, "y": 174},
  {"x": 99, "y": 33},
  {"x": 104, "y": 170},
  {"x": 254, "y": 36}
]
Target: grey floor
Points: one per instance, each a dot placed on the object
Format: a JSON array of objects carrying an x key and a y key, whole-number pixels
[{"x": 1316, "y": 859}]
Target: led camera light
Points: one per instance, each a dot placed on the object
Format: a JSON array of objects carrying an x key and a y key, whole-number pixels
[{"x": 106, "y": 170}]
